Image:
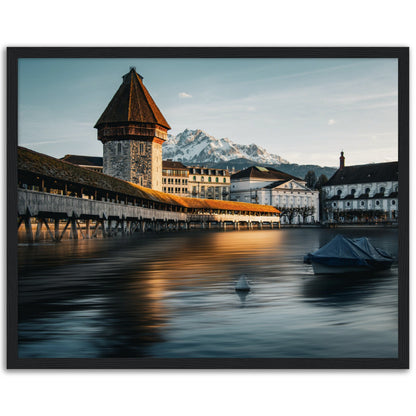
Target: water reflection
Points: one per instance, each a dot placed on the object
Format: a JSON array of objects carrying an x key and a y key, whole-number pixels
[{"x": 173, "y": 295}]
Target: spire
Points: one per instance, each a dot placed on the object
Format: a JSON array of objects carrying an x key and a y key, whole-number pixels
[
  {"x": 342, "y": 161},
  {"x": 132, "y": 103}
]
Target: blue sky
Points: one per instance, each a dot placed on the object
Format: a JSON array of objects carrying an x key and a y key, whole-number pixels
[{"x": 305, "y": 110}]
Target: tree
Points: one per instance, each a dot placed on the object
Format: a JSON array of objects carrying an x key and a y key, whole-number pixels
[
  {"x": 291, "y": 213},
  {"x": 321, "y": 181},
  {"x": 310, "y": 179}
]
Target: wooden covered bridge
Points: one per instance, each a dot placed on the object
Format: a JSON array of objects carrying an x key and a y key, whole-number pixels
[{"x": 66, "y": 199}]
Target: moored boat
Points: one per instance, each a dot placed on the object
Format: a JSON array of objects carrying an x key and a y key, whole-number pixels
[{"x": 346, "y": 255}]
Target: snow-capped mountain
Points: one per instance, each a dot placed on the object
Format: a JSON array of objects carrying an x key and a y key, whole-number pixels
[{"x": 196, "y": 146}]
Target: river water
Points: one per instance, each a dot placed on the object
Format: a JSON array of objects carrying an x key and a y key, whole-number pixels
[{"x": 172, "y": 295}]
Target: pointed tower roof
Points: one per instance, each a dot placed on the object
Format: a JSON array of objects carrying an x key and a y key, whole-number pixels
[{"x": 132, "y": 103}]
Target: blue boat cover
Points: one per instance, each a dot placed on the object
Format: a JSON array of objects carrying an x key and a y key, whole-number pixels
[{"x": 342, "y": 251}]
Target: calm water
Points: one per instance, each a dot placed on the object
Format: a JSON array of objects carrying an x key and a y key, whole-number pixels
[{"x": 172, "y": 295}]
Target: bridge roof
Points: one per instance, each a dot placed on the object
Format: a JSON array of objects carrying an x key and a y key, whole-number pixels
[
  {"x": 132, "y": 103},
  {"x": 40, "y": 164}
]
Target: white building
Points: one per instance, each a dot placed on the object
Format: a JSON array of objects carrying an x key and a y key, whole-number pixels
[
  {"x": 209, "y": 183},
  {"x": 362, "y": 193},
  {"x": 175, "y": 178},
  {"x": 268, "y": 186}
]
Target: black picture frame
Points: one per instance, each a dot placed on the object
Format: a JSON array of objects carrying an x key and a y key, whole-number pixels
[{"x": 16, "y": 53}]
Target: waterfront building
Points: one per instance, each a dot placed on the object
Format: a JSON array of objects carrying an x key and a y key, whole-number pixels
[
  {"x": 260, "y": 185},
  {"x": 175, "y": 178},
  {"x": 209, "y": 183},
  {"x": 362, "y": 193},
  {"x": 132, "y": 130},
  {"x": 94, "y": 163}
]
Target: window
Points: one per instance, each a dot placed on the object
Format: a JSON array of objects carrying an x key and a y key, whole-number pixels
[
  {"x": 216, "y": 179},
  {"x": 202, "y": 179},
  {"x": 339, "y": 192},
  {"x": 223, "y": 180},
  {"x": 334, "y": 204},
  {"x": 377, "y": 202},
  {"x": 194, "y": 178},
  {"x": 382, "y": 190},
  {"x": 353, "y": 191},
  {"x": 367, "y": 190},
  {"x": 362, "y": 203},
  {"x": 348, "y": 204},
  {"x": 393, "y": 202}
]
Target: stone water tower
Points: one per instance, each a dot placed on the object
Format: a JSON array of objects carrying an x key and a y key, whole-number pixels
[{"x": 132, "y": 130}]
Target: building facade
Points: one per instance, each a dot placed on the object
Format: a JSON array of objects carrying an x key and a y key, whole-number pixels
[
  {"x": 132, "y": 130},
  {"x": 362, "y": 193},
  {"x": 175, "y": 178},
  {"x": 298, "y": 204},
  {"x": 209, "y": 183}
]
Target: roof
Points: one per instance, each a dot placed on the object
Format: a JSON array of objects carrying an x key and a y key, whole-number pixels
[
  {"x": 40, "y": 164},
  {"x": 375, "y": 172},
  {"x": 258, "y": 172},
  {"x": 84, "y": 160},
  {"x": 169, "y": 164},
  {"x": 275, "y": 184},
  {"x": 132, "y": 103}
]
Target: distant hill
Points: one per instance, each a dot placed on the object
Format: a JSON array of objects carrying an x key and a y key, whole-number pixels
[{"x": 290, "y": 168}]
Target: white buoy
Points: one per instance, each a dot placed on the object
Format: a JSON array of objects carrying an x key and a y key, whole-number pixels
[{"x": 242, "y": 284}]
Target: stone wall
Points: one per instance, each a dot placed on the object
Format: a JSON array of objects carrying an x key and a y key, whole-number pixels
[
  {"x": 137, "y": 161},
  {"x": 116, "y": 159}
]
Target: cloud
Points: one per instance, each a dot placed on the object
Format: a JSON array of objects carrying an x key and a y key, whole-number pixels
[
  {"x": 184, "y": 95},
  {"x": 331, "y": 122}
]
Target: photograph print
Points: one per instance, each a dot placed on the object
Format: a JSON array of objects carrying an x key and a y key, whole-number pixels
[{"x": 208, "y": 208}]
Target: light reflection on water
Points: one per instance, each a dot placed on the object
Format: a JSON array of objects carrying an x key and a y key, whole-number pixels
[{"x": 172, "y": 295}]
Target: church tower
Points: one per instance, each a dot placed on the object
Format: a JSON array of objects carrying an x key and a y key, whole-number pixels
[{"x": 132, "y": 130}]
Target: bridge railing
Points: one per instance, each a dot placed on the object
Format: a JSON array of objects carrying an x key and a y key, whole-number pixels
[{"x": 37, "y": 202}]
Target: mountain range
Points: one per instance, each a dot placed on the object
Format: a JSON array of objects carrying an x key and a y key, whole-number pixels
[{"x": 197, "y": 148}]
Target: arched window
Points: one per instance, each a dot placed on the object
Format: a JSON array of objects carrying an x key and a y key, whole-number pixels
[
  {"x": 194, "y": 178},
  {"x": 334, "y": 204},
  {"x": 362, "y": 203},
  {"x": 353, "y": 191},
  {"x": 377, "y": 203},
  {"x": 216, "y": 179},
  {"x": 367, "y": 190},
  {"x": 348, "y": 204},
  {"x": 382, "y": 189},
  {"x": 209, "y": 179},
  {"x": 339, "y": 192},
  {"x": 393, "y": 202},
  {"x": 224, "y": 180}
]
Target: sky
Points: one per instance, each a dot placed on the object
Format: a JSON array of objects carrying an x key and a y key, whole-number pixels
[{"x": 304, "y": 110}]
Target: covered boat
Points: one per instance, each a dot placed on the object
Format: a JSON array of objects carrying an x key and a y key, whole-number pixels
[{"x": 345, "y": 255}]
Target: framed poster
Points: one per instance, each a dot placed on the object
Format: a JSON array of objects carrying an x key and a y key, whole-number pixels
[{"x": 208, "y": 207}]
